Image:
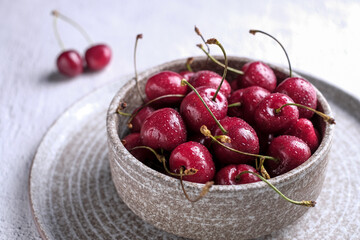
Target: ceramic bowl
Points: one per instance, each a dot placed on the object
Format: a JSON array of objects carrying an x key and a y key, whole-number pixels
[{"x": 226, "y": 212}]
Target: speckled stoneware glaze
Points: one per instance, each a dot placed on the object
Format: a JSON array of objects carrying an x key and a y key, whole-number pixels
[{"x": 226, "y": 212}]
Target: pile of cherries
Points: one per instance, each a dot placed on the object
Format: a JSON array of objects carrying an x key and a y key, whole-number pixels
[
  {"x": 202, "y": 128},
  {"x": 70, "y": 63}
]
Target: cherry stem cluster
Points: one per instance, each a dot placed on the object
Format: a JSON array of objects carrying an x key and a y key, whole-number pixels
[
  {"x": 260, "y": 167},
  {"x": 252, "y": 31},
  {"x": 57, "y": 15},
  {"x": 206, "y": 106},
  {"x": 216, "y": 42},
  {"x": 139, "y": 36},
  {"x": 326, "y": 118},
  {"x": 302, "y": 203},
  {"x": 206, "y": 132},
  {"x": 219, "y": 63},
  {"x": 203, "y": 192},
  {"x": 197, "y": 30}
]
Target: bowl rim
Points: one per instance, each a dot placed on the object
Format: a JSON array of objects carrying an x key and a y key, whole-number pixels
[{"x": 285, "y": 178}]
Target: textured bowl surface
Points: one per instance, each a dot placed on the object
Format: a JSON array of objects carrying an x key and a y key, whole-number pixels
[{"x": 227, "y": 212}]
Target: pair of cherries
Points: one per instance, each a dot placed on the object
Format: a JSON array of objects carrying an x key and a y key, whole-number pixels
[{"x": 70, "y": 63}]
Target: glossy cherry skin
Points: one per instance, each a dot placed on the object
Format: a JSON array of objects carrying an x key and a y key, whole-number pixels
[
  {"x": 165, "y": 83},
  {"x": 243, "y": 138},
  {"x": 268, "y": 121},
  {"x": 257, "y": 74},
  {"x": 304, "y": 129},
  {"x": 290, "y": 151},
  {"x": 163, "y": 129},
  {"x": 194, "y": 112},
  {"x": 206, "y": 78},
  {"x": 227, "y": 175},
  {"x": 69, "y": 63},
  {"x": 98, "y": 56},
  {"x": 140, "y": 118},
  {"x": 133, "y": 140},
  {"x": 193, "y": 155},
  {"x": 249, "y": 99},
  {"x": 186, "y": 74},
  {"x": 301, "y": 92}
]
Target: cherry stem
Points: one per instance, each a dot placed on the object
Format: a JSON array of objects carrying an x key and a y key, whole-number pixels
[
  {"x": 203, "y": 39},
  {"x": 219, "y": 63},
  {"x": 203, "y": 192},
  {"x": 215, "y": 41},
  {"x": 188, "y": 63},
  {"x": 236, "y": 104},
  {"x": 303, "y": 203},
  {"x": 252, "y": 31},
  {"x": 262, "y": 169},
  {"x": 150, "y": 102},
  {"x": 206, "y": 106},
  {"x": 206, "y": 132},
  {"x": 57, "y": 35},
  {"x": 139, "y": 36},
  {"x": 162, "y": 160},
  {"x": 326, "y": 118},
  {"x": 74, "y": 24}
]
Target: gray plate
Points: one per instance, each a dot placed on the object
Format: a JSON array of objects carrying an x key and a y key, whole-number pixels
[{"x": 72, "y": 195}]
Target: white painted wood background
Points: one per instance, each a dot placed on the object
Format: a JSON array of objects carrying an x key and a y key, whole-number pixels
[{"x": 322, "y": 38}]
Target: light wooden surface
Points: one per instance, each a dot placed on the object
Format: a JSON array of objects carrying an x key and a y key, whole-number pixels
[{"x": 322, "y": 38}]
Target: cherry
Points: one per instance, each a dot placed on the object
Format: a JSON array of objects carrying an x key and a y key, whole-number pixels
[
  {"x": 70, "y": 63},
  {"x": 302, "y": 92},
  {"x": 194, "y": 112},
  {"x": 290, "y": 152},
  {"x": 242, "y": 138},
  {"x": 163, "y": 129},
  {"x": 193, "y": 155},
  {"x": 186, "y": 74},
  {"x": 257, "y": 74},
  {"x": 304, "y": 129},
  {"x": 137, "y": 121},
  {"x": 228, "y": 175},
  {"x": 249, "y": 98},
  {"x": 165, "y": 83},
  {"x": 200, "y": 138},
  {"x": 133, "y": 140},
  {"x": 210, "y": 79},
  {"x": 98, "y": 56},
  {"x": 268, "y": 120}
]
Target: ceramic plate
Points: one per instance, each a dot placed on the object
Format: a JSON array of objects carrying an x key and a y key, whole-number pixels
[{"x": 72, "y": 195}]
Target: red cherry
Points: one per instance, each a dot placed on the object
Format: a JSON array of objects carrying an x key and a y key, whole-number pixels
[
  {"x": 206, "y": 78},
  {"x": 302, "y": 92},
  {"x": 268, "y": 121},
  {"x": 140, "y": 117},
  {"x": 133, "y": 140},
  {"x": 227, "y": 175},
  {"x": 243, "y": 138},
  {"x": 249, "y": 99},
  {"x": 165, "y": 83},
  {"x": 195, "y": 113},
  {"x": 98, "y": 56},
  {"x": 163, "y": 129},
  {"x": 70, "y": 63},
  {"x": 304, "y": 129},
  {"x": 186, "y": 74},
  {"x": 290, "y": 151},
  {"x": 193, "y": 155},
  {"x": 258, "y": 74}
]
